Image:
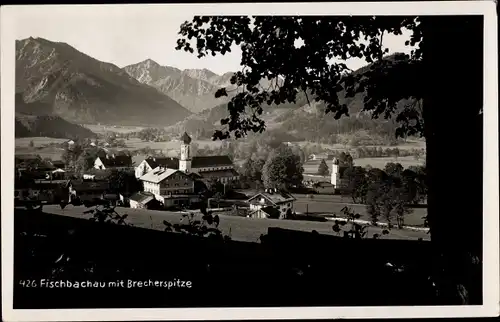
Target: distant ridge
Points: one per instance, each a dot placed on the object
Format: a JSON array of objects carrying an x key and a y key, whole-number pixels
[{"x": 53, "y": 78}]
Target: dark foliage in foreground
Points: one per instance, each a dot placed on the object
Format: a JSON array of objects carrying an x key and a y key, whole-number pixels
[{"x": 283, "y": 266}]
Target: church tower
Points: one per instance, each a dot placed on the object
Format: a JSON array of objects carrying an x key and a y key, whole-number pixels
[
  {"x": 185, "y": 160},
  {"x": 335, "y": 180}
]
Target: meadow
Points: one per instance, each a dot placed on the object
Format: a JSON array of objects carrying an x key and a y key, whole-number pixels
[
  {"x": 239, "y": 228},
  {"x": 333, "y": 204},
  {"x": 101, "y": 128},
  {"x": 41, "y": 147},
  {"x": 311, "y": 166},
  {"x": 137, "y": 144}
]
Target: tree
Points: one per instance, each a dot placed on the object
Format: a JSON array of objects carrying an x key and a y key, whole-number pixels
[
  {"x": 357, "y": 185},
  {"x": 393, "y": 169},
  {"x": 32, "y": 144},
  {"x": 268, "y": 51},
  {"x": 323, "y": 169},
  {"x": 282, "y": 170},
  {"x": 122, "y": 181}
]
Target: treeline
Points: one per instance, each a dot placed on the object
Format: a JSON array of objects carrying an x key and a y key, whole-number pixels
[
  {"x": 387, "y": 193},
  {"x": 379, "y": 152}
]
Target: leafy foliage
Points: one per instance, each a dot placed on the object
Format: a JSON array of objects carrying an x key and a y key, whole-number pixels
[
  {"x": 323, "y": 168},
  {"x": 270, "y": 51},
  {"x": 356, "y": 231},
  {"x": 208, "y": 226},
  {"x": 282, "y": 169},
  {"x": 106, "y": 213}
]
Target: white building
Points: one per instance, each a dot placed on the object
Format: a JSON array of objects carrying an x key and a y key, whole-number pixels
[
  {"x": 171, "y": 187},
  {"x": 271, "y": 204},
  {"x": 151, "y": 163},
  {"x": 337, "y": 175}
]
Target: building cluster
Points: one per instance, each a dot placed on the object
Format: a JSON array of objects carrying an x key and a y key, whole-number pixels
[{"x": 166, "y": 181}]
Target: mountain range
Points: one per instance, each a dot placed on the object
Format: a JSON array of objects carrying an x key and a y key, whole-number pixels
[
  {"x": 54, "y": 78},
  {"x": 192, "y": 88},
  {"x": 57, "y": 84}
]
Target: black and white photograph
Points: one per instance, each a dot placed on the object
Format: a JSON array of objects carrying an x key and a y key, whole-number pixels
[{"x": 249, "y": 161}]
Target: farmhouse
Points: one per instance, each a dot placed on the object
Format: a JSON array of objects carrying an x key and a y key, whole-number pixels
[
  {"x": 119, "y": 162},
  {"x": 86, "y": 191},
  {"x": 171, "y": 187},
  {"x": 326, "y": 188},
  {"x": 218, "y": 167},
  {"x": 271, "y": 204},
  {"x": 143, "y": 200}
]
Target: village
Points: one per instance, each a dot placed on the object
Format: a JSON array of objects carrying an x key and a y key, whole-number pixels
[{"x": 165, "y": 183}]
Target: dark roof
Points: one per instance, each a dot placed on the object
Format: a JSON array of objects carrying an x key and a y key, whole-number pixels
[
  {"x": 211, "y": 161},
  {"x": 171, "y": 163},
  {"x": 186, "y": 138},
  {"x": 275, "y": 197},
  {"x": 117, "y": 161},
  {"x": 99, "y": 174},
  {"x": 194, "y": 175},
  {"x": 219, "y": 173},
  {"x": 90, "y": 185},
  {"x": 271, "y": 211},
  {"x": 142, "y": 197},
  {"x": 324, "y": 184}
]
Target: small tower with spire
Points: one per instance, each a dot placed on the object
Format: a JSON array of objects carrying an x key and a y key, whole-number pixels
[
  {"x": 185, "y": 160},
  {"x": 335, "y": 178}
]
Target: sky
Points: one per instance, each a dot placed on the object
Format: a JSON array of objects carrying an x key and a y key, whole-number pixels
[{"x": 125, "y": 35}]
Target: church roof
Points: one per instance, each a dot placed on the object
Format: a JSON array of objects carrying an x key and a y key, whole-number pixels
[
  {"x": 185, "y": 138},
  {"x": 172, "y": 163},
  {"x": 211, "y": 161}
]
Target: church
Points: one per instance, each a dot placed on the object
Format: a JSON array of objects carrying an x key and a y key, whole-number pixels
[{"x": 171, "y": 180}]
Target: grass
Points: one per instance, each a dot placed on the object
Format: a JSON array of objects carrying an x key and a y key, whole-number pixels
[
  {"x": 330, "y": 204},
  {"x": 101, "y": 129},
  {"x": 311, "y": 167},
  {"x": 381, "y": 162},
  {"x": 408, "y": 145},
  {"x": 40, "y": 147},
  {"x": 239, "y": 228},
  {"x": 38, "y": 141},
  {"x": 137, "y": 144}
]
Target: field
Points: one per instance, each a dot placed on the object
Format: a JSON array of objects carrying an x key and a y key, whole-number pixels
[
  {"x": 239, "y": 228},
  {"x": 311, "y": 167},
  {"x": 408, "y": 145},
  {"x": 101, "y": 129},
  {"x": 332, "y": 204},
  {"x": 136, "y": 144},
  {"x": 40, "y": 147},
  {"x": 381, "y": 162}
]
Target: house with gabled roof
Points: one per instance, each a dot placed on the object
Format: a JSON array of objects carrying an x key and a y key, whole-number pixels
[
  {"x": 272, "y": 203},
  {"x": 151, "y": 162},
  {"x": 143, "y": 200},
  {"x": 171, "y": 187},
  {"x": 119, "y": 162}
]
